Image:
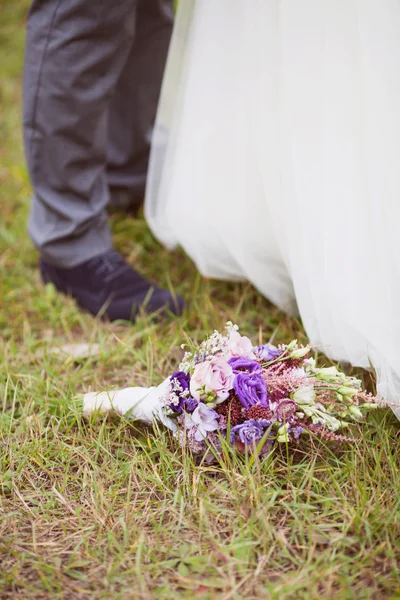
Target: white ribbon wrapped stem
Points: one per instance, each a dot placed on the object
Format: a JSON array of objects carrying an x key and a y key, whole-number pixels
[{"x": 142, "y": 404}]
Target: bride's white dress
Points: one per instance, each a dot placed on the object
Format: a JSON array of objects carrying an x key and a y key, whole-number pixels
[{"x": 276, "y": 159}]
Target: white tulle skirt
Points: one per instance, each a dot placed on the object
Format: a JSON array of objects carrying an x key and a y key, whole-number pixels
[{"x": 276, "y": 159}]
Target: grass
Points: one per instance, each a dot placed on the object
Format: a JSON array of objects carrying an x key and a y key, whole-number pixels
[{"x": 105, "y": 509}]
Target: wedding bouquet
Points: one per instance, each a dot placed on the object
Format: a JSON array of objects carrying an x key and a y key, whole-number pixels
[
  {"x": 256, "y": 396},
  {"x": 250, "y": 396}
]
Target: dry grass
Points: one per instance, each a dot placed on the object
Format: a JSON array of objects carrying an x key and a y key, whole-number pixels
[{"x": 106, "y": 510}]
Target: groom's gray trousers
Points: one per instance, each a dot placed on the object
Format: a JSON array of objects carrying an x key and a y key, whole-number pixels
[{"x": 93, "y": 71}]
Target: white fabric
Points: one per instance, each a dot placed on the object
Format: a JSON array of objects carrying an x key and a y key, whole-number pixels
[
  {"x": 282, "y": 163},
  {"x": 142, "y": 404}
]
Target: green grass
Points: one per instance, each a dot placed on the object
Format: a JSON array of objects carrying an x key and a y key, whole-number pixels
[{"x": 104, "y": 509}]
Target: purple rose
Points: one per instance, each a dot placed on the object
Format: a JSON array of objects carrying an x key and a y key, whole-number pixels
[
  {"x": 251, "y": 389},
  {"x": 180, "y": 382},
  {"x": 248, "y": 432},
  {"x": 268, "y": 352},
  {"x": 246, "y": 365}
]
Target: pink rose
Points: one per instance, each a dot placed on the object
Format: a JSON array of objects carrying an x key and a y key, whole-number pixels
[
  {"x": 213, "y": 375},
  {"x": 239, "y": 345}
]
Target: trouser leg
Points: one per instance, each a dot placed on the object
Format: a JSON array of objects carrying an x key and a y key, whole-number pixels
[
  {"x": 133, "y": 107},
  {"x": 76, "y": 51}
]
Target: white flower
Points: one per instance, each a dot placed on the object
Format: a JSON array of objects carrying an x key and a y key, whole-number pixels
[
  {"x": 329, "y": 374},
  {"x": 329, "y": 421},
  {"x": 304, "y": 395},
  {"x": 299, "y": 353},
  {"x": 298, "y": 373},
  {"x": 204, "y": 419},
  {"x": 229, "y": 327},
  {"x": 187, "y": 362},
  {"x": 310, "y": 363}
]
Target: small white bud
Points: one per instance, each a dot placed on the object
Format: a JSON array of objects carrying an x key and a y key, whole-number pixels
[
  {"x": 299, "y": 353},
  {"x": 304, "y": 395},
  {"x": 283, "y": 436},
  {"x": 347, "y": 391},
  {"x": 292, "y": 345},
  {"x": 355, "y": 412}
]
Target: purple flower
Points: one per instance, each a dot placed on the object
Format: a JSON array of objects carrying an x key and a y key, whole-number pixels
[
  {"x": 180, "y": 383},
  {"x": 190, "y": 404},
  {"x": 182, "y": 378},
  {"x": 296, "y": 431},
  {"x": 248, "y": 432},
  {"x": 177, "y": 404},
  {"x": 240, "y": 365},
  {"x": 268, "y": 352},
  {"x": 251, "y": 389},
  {"x": 199, "y": 358}
]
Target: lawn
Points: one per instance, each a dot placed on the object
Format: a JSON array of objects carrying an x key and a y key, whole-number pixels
[{"x": 107, "y": 509}]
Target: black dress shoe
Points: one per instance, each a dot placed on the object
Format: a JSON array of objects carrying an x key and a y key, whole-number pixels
[{"x": 108, "y": 286}]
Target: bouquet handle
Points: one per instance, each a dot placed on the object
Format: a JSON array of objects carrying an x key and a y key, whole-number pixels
[{"x": 138, "y": 403}]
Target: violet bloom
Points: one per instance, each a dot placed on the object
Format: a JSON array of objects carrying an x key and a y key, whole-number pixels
[
  {"x": 203, "y": 419},
  {"x": 190, "y": 404},
  {"x": 297, "y": 431},
  {"x": 180, "y": 382},
  {"x": 182, "y": 378},
  {"x": 268, "y": 352},
  {"x": 199, "y": 358},
  {"x": 246, "y": 365},
  {"x": 177, "y": 404},
  {"x": 251, "y": 389},
  {"x": 249, "y": 432}
]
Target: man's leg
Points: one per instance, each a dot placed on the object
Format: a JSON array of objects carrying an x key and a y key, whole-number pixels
[
  {"x": 75, "y": 53},
  {"x": 134, "y": 105}
]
